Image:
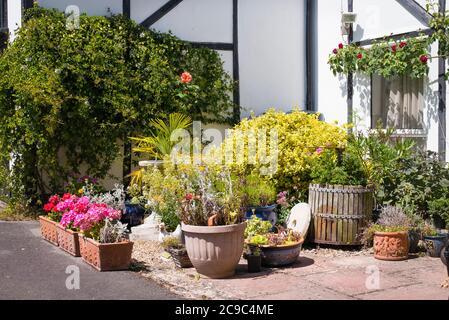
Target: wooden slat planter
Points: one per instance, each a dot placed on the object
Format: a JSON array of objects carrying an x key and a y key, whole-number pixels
[{"x": 339, "y": 213}]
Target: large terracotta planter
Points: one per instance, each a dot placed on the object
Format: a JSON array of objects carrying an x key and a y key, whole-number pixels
[
  {"x": 106, "y": 256},
  {"x": 49, "y": 230},
  {"x": 68, "y": 241},
  {"x": 391, "y": 246},
  {"x": 215, "y": 251}
]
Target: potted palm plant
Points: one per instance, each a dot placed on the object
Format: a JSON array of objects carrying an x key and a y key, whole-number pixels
[{"x": 212, "y": 218}]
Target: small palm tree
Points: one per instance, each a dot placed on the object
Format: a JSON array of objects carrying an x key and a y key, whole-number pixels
[{"x": 159, "y": 144}]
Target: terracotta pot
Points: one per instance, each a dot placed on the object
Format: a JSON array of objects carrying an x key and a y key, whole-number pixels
[
  {"x": 106, "y": 256},
  {"x": 49, "y": 230},
  {"x": 215, "y": 251},
  {"x": 391, "y": 246},
  {"x": 68, "y": 241}
]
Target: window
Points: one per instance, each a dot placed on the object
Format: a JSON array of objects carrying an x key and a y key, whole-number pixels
[
  {"x": 398, "y": 103},
  {"x": 3, "y": 15}
]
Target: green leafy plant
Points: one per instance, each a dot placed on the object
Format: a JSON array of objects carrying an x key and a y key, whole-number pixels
[
  {"x": 257, "y": 227},
  {"x": 257, "y": 191},
  {"x": 439, "y": 210},
  {"x": 172, "y": 243},
  {"x": 60, "y": 108}
]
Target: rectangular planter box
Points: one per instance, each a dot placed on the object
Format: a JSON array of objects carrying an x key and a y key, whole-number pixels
[
  {"x": 106, "y": 256},
  {"x": 49, "y": 230},
  {"x": 68, "y": 241}
]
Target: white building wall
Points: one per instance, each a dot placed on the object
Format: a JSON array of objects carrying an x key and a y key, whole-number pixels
[{"x": 14, "y": 17}]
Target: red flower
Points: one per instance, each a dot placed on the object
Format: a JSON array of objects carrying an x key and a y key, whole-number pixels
[
  {"x": 424, "y": 58},
  {"x": 48, "y": 207},
  {"x": 186, "y": 77},
  {"x": 394, "y": 48},
  {"x": 66, "y": 196},
  {"x": 189, "y": 197},
  {"x": 340, "y": 46},
  {"x": 359, "y": 56},
  {"x": 335, "y": 51},
  {"x": 402, "y": 44},
  {"x": 54, "y": 199}
]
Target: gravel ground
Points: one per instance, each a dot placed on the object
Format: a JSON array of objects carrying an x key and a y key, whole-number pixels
[{"x": 148, "y": 260}]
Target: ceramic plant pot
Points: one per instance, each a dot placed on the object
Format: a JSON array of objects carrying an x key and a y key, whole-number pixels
[
  {"x": 106, "y": 256},
  {"x": 281, "y": 256},
  {"x": 68, "y": 241},
  {"x": 434, "y": 245},
  {"x": 215, "y": 251},
  {"x": 413, "y": 239},
  {"x": 391, "y": 246},
  {"x": 254, "y": 263},
  {"x": 265, "y": 213},
  {"x": 180, "y": 257},
  {"x": 49, "y": 230}
]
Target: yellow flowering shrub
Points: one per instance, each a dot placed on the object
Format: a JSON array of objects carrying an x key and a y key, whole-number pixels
[{"x": 292, "y": 141}]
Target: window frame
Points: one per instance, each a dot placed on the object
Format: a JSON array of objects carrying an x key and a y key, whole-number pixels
[{"x": 3, "y": 15}]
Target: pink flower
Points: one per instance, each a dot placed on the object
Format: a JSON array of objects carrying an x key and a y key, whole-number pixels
[
  {"x": 319, "y": 151},
  {"x": 186, "y": 77},
  {"x": 335, "y": 51},
  {"x": 66, "y": 196}
]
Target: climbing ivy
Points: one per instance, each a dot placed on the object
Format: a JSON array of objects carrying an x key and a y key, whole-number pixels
[{"x": 67, "y": 97}]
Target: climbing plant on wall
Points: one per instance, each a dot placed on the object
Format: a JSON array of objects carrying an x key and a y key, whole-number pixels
[
  {"x": 408, "y": 56},
  {"x": 388, "y": 59},
  {"x": 74, "y": 93}
]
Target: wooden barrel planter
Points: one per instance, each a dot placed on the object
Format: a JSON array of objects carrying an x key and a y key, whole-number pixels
[{"x": 339, "y": 213}]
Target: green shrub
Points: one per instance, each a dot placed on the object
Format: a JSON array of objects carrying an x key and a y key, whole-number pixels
[
  {"x": 299, "y": 136},
  {"x": 75, "y": 94}
]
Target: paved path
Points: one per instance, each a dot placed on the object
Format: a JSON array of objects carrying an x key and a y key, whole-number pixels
[{"x": 31, "y": 268}]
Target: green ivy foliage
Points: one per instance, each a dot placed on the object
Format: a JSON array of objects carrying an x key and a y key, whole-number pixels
[{"x": 74, "y": 94}]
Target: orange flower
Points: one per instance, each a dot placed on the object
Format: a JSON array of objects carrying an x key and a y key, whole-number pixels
[{"x": 186, "y": 77}]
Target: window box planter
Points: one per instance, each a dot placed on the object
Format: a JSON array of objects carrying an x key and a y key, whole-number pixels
[
  {"x": 180, "y": 257},
  {"x": 339, "y": 213},
  {"x": 215, "y": 251},
  {"x": 106, "y": 256},
  {"x": 68, "y": 241},
  {"x": 435, "y": 244},
  {"x": 281, "y": 256},
  {"x": 391, "y": 246},
  {"x": 49, "y": 230}
]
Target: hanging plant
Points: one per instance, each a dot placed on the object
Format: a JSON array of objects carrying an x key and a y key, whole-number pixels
[{"x": 388, "y": 59}]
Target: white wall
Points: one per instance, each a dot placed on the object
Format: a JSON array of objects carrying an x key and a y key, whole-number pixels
[
  {"x": 14, "y": 17},
  {"x": 332, "y": 91},
  {"x": 272, "y": 54},
  {"x": 92, "y": 7}
]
